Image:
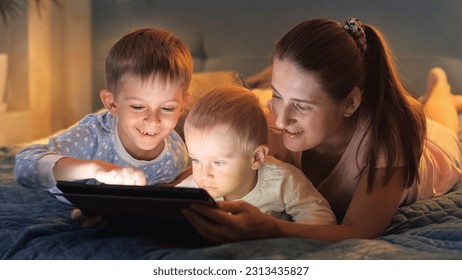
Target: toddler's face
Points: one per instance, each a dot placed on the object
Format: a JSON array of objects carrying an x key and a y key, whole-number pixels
[
  {"x": 218, "y": 162},
  {"x": 147, "y": 112}
]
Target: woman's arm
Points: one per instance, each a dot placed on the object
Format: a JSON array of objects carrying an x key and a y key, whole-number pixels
[{"x": 367, "y": 217}]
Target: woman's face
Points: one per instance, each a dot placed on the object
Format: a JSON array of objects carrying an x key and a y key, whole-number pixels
[{"x": 306, "y": 114}]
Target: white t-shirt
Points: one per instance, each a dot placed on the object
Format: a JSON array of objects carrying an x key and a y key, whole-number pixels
[
  {"x": 439, "y": 170},
  {"x": 283, "y": 191}
]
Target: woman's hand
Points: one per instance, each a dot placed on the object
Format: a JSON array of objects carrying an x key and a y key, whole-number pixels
[{"x": 232, "y": 221}]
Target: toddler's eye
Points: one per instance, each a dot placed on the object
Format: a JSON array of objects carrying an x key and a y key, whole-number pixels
[
  {"x": 194, "y": 161},
  {"x": 219, "y": 163}
]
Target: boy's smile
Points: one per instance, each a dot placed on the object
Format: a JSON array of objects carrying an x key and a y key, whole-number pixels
[{"x": 148, "y": 133}]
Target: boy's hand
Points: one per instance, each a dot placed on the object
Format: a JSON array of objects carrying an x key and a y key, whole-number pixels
[
  {"x": 67, "y": 169},
  {"x": 112, "y": 174}
]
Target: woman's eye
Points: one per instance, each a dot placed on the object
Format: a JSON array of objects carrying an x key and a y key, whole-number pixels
[
  {"x": 194, "y": 161},
  {"x": 302, "y": 107},
  {"x": 275, "y": 96}
]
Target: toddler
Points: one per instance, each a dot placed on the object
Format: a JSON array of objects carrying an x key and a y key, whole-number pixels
[{"x": 227, "y": 139}]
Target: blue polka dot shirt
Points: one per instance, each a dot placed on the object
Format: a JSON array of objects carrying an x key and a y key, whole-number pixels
[{"x": 95, "y": 137}]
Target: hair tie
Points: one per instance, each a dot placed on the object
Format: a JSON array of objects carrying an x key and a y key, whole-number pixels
[{"x": 355, "y": 28}]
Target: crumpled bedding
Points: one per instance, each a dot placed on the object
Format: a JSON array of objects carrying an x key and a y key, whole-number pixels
[{"x": 35, "y": 225}]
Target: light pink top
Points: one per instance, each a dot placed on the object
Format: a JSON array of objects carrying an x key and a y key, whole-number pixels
[{"x": 440, "y": 168}]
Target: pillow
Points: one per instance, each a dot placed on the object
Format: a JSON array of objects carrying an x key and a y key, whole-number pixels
[
  {"x": 413, "y": 72},
  {"x": 264, "y": 94},
  {"x": 201, "y": 82},
  {"x": 261, "y": 79},
  {"x": 412, "y": 69}
]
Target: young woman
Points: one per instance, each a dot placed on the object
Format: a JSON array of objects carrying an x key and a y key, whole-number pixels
[{"x": 355, "y": 132}]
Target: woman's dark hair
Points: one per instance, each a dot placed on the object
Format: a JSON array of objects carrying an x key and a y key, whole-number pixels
[{"x": 396, "y": 122}]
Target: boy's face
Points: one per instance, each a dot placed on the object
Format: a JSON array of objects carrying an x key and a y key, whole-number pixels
[
  {"x": 219, "y": 163},
  {"x": 147, "y": 112}
]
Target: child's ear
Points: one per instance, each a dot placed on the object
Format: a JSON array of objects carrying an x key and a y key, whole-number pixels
[
  {"x": 108, "y": 101},
  {"x": 186, "y": 99},
  {"x": 259, "y": 156}
]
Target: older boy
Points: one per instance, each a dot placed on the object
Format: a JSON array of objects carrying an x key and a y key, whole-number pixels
[{"x": 148, "y": 72}]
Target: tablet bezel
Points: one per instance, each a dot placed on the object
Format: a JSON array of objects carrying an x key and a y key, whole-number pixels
[{"x": 133, "y": 202}]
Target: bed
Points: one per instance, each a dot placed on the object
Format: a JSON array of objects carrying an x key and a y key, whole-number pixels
[{"x": 35, "y": 225}]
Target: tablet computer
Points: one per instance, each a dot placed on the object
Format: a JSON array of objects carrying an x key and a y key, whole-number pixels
[{"x": 130, "y": 203}]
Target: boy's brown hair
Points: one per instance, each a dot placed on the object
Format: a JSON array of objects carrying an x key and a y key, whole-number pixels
[
  {"x": 235, "y": 106},
  {"x": 148, "y": 53}
]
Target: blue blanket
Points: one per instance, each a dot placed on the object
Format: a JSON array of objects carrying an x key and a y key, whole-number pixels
[{"x": 35, "y": 225}]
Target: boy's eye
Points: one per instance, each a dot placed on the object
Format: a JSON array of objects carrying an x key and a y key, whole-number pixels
[
  {"x": 168, "y": 109},
  {"x": 137, "y": 107}
]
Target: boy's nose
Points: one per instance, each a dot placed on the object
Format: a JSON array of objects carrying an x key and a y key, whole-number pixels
[{"x": 152, "y": 117}]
